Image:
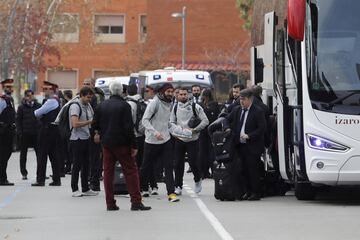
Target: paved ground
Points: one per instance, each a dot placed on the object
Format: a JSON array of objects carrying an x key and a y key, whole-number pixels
[{"x": 29, "y": 213}]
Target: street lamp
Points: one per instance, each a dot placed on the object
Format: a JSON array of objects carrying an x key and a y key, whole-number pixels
[{"x": 183, "y": 17}]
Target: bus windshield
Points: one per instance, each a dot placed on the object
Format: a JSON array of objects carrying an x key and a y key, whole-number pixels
[{"x": 334, "y": 82}]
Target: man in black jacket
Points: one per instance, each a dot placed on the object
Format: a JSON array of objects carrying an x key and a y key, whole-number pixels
[
  {"x": 27, "y": 126},
  {"x": 247, "y": 123},
  {"x": 114, "y": 127},
  {"x": 7, "y": 127}
]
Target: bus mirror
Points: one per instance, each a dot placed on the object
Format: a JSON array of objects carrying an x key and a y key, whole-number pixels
[
  {"x": 296, "y": 19},
  {"x": 259, "y": 70}
]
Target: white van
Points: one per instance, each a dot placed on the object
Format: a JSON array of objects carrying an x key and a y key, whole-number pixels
[
  {"x": 103, "y": 83},
  {"x": 183, "y": 78}
]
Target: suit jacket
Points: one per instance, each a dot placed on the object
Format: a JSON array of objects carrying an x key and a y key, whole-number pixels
[{"x": 254, "y": 127}]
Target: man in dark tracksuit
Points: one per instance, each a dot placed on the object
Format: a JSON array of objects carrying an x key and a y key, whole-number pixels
[
  {"x": 7, "y": 127},
  {"x": 95, "y": 153},
  {"x": 48, "y": 137},
  {"x": 27, "y": 128},
  {"x": 247, "y": 123}
]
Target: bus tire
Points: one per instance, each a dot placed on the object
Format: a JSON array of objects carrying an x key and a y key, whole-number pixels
[{"x": 304, "y": 190}]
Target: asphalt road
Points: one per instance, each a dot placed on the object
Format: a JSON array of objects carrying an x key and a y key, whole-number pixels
[{"x": 33, "y": 213}]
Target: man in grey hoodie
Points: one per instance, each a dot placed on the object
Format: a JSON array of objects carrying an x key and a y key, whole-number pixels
[
  {"x": 157, "y": 145},
  {"x": 180, "y": 117}
]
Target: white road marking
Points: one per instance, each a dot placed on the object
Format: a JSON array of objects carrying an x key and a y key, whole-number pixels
[{"x": 215, "y": 223}]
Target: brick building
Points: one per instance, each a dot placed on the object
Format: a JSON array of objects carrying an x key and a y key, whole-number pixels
[{"x": 117, "y": 37}]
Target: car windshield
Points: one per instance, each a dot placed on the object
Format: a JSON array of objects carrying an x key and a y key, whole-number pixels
[{"x": 335, "y": 80}]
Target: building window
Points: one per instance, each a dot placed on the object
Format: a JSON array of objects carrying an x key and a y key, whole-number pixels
[
  {"x": 142, "y": 28},
  {"x": 66, "y": 79},
  {"x": 109, "y": 28},
  {"x": 65, "y": 28}
]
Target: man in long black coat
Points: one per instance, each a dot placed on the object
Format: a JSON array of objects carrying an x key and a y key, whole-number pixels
[{"x": 247, "y": 124}]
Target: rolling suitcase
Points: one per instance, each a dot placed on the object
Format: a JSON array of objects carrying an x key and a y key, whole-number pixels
[
  {"x": 225, "y": 187},
  {"x": 223, "y": 148},
  {"x": 119, "y": 181}
]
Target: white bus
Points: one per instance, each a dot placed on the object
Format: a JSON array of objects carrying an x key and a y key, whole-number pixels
[{"x": 309, "y": 68}]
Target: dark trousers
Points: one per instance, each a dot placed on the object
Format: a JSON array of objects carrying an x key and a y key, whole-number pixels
[
  {"x": 152, "y": 154},
  {"x": 140, "y": 155},
  {"x": 192, "y": 150},
  {"x": 130, "y": 170},
  {"x": 47, "y": 141},
  {"x": 249, "y": 169},
  {"x": 80, "y": 151},
  {"x": 96, "y": 163},
  {"x": 206, "y": 154},
  {"x": 6, "y": 143},
  {"x": 64, "y": 155},
  {"x": 26, "y": 141}
]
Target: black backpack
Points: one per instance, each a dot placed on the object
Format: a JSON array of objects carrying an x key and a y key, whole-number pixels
[
  {"x": 140, "y": 110},
  {"x": 64, "y": 126}
]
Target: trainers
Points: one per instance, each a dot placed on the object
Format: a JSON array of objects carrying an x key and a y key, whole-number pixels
[
  {"x": 154, "y": 191},
  {"x": 139, "y": 207},
  {"x": 146, "y": 194},
  {"x": 77, "y": 194},
  {"x": 173, "y": 198},
  {"x": 178, "y": 191},
  {"x": 90, "y": 193},
  {"x": 198, "y": 187}
]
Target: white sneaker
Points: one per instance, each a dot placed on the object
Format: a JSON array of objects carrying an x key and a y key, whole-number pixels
[
  {"x": 178, "y": 191},
  {"x": 154, "y": 191},
  {"x": 90, "y": 193},
  {"x": 198, "y": 187},
  {"x": 146, "y": 194},
  {"x": 77, "y": 194}
]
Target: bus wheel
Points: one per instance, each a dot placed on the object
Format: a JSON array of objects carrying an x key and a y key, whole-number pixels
[{"x": 304, "y": 190}]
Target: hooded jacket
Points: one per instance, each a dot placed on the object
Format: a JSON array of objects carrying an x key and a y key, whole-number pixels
[
  {"x": 156, "y": 120},
  {"x": 184, "y": 112},
  {"x": 26, "y": 122}
]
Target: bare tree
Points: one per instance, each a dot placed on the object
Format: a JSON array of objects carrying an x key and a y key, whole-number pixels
[{"x": 25, "y": 28}]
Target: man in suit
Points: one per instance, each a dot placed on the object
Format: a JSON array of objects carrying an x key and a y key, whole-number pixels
[{"x": 247, "y": 124}]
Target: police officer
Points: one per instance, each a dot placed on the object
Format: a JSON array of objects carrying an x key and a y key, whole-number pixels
[
  {"x": 7, "y": 128},
  {"x": 48, "y": 136}
]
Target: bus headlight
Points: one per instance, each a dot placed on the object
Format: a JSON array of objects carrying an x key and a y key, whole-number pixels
[{"x": 320, "y": 143}]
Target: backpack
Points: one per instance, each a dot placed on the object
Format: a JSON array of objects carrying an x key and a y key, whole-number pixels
[
  {"x": 140, "y": 110},
  {"x": 194, "y": 120},
  {"x": 64, "y": 125}
]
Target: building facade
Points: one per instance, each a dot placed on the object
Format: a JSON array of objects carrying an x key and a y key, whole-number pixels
[{"x": 117, "y": 37}]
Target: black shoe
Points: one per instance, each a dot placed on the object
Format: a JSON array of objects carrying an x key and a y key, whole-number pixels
[
  {"x": 55, "y": 184},
  {"x": 6, "y": 183},
  {"x": 38, "y": 184},
  {"x": 139, "y": 207},
  {"x": 254, "y": 197},
  {"x": 245, "y": 196},
  {"x": 24, "y": 177},
  {"x": 62, "y": 174},
  {"x": 112, "y": 208}
]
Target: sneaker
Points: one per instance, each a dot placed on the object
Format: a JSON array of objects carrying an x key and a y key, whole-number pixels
[
  {"x": 178, "y": 191},
  {"x": 154, "y": 191},
  {"x": 146, "y": 194},
  {"x": 198, "y": 187},
  {"x": 173, "y": 198},
  {"x": 77, "y": 194},
  {"x": 139, "y": 207},
  {"x": 90, "y": 193}
]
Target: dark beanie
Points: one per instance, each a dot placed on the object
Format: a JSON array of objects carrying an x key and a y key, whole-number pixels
[{"x": 165, "y": 87}]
